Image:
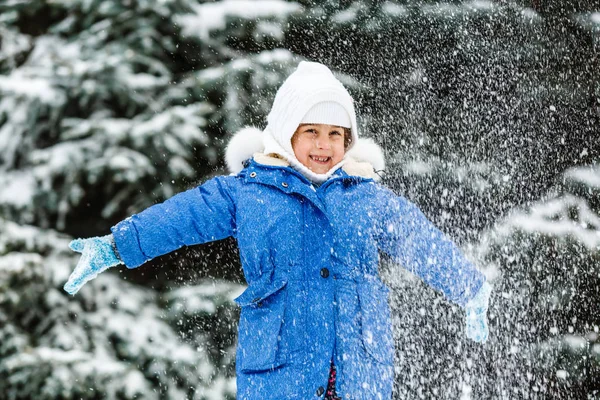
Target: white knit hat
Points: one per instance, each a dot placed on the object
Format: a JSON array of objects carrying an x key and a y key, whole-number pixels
[
  {"x": 329, "y": 113},
  {"x": 312, "y": 84}
]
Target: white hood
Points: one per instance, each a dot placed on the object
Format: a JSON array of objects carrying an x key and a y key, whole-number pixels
[{"x": 364, "y": 159}]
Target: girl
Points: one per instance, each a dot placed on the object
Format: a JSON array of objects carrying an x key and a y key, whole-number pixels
[{"x": 309, "y": 219}]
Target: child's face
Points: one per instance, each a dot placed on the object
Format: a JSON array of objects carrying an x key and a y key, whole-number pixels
[{"x": 318, "y": 147}]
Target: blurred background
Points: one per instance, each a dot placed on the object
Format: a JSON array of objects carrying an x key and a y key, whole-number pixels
[{"x": 489, "y": 116}]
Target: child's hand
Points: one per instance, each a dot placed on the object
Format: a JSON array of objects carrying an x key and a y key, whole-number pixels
[
  {"x": 476, "y": 310},
  {"x": 97, "y": 255}
]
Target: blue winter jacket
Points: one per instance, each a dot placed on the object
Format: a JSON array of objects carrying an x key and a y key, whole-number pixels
[{"x": 310, "y": 256}]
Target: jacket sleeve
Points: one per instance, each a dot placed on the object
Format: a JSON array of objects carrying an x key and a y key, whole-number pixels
[
  {"x": 199, "y": 215},
  {"x": 416, "y": 244}
]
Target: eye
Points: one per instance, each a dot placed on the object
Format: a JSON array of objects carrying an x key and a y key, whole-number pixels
[
  {"x": 335, "y": 133},
  {"x": 311, "y": 130}
]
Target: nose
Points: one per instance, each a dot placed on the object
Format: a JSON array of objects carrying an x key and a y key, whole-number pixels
[{"x": 323, "y": 143}]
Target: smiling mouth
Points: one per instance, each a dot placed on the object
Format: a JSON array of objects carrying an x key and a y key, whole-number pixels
[{"x": 320, "y": 160}]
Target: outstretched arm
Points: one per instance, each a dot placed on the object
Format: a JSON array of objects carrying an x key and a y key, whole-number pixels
[
  {"x": 415, "y": 243},
  {"x": 199, "y": 215}
]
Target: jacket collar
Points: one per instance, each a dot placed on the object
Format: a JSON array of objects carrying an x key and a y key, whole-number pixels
[
  {"x": 350, "y": 168},
  {"x": 276, "y": 173},
  {"x": 283, "y": 178}
]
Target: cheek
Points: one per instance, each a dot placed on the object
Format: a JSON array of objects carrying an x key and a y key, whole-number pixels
[
  {"x": 339, "y": 150},
  {"x": 301, "y": 150}
]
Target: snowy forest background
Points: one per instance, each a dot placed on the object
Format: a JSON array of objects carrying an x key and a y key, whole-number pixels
[{"x": 489, "y": 115}]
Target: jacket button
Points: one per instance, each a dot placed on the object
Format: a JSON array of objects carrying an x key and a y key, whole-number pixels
[
  {"x": 320, "y": 391},
  {"x": 284, "y": 184},
  {"x": 324, "y": 272},
  {"x": 252, "y": 174}
]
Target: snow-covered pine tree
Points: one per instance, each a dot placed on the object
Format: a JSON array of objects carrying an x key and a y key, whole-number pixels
[
  {"x": 547, "y": 261},
  {"x": 76, "y": 75},
  {"x": 109, "y": 106},
  {"x": 105, "y": 108},
  {"x": 112, "y": 340}
]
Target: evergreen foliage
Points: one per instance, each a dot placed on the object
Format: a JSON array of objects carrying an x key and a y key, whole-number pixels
[
  {"x": 469, "y": 83},
  {"x": 547, "y": 290},
  {"x": 487, "y": 110},
  {"x": 112, "y": 340},
  {"x": 105, "y": 108},
  {"x": 104, "y": 112}
]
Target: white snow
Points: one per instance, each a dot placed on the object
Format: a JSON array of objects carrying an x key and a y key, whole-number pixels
[
  {"x": 22, "y": 85},
  {"x": 419, "y": 167},
  {"x": 190, "y": 121},
  {"x": 277, "y": 55},
  {"x": 448, "y": 10},
  {"x": 43, "y": 355},
  {"x": 416, "y": 76},
  {"x": 14, "y": 42},
  {"x": 61, "y": 156},
  {"x": 17, "y": 188},
  {"x": 213, "y": 16},
  {"x": 196, "y": 304},
  {"x": 30, "y": 237},
  {"x": 575, "y": 343},
  {"x": 562, "y": 374},
  {"x": 466, "y": 392},
  {"x": 553, "y": 218},
  {"x": 530, "y": 13},
  {"x": 201, "y": 298},
  {"x": 394, "y": 9},
  {"x": 115, "y": 128},
  {"x": 142, "y": 328},
  {"x": 241, "y": 64},
  {"x": 346, "y": 15},
  {"x": 101, "y": 365},
  {"x": 142, "y": 81},
  {"x": 481, "y": 5},
  {"x": 136, "y": 384},
  {"x": 270, "y": 29},
  {"x": 590, "y": 176},
  {"x": 21, "y": 263},
  {"x": 129, "y": 162},
  {"x": 590, "y": 21},
  {"x": 220, "y": 388}
]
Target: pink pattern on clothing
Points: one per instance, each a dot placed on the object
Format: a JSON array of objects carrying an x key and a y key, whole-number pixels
[{"x": 330, "y": 394}]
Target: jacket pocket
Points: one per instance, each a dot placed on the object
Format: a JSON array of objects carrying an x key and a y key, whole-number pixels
[
  {"x": 259, "y": 330},
  {"x": 376, "y": 321}
]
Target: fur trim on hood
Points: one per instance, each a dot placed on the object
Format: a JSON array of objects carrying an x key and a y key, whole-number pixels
[{"x": 364, "y": 159}]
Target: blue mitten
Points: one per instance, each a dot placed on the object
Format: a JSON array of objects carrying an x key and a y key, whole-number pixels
[
  {"x": 97, "y": 255},
  {"x": 476, "y": 310}
]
